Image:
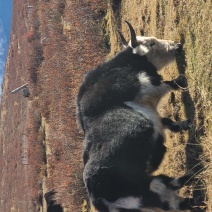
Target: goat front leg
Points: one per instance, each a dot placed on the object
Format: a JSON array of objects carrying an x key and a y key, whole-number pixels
[
  {"x": 175, "y": 126},
  {"x": 167, "y": 86},
  {"x": 180, "y": 82}
]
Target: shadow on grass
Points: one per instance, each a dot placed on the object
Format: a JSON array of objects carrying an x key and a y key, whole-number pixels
[{"x": 193, "y": 148}]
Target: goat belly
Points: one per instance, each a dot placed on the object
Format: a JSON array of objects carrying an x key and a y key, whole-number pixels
[{"x": 118, "y": 146}]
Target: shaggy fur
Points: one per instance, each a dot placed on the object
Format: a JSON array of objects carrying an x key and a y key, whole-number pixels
[{"x": 124, "y": 134}]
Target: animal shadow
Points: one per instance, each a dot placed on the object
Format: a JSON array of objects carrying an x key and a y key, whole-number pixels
[{"x": 193, "y": 148}]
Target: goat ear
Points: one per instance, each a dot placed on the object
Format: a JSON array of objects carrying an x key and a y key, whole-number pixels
[
  {"x": 134, "y": 42},
  {"x": 123, "y": 40}
]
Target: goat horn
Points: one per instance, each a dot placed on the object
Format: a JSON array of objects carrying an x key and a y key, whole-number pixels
[
  {"x": 134, "y": 42},
  {"x": 124, "y": 42}
]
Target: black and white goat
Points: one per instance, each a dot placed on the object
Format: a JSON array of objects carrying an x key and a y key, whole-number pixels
[{"x": 124, "y": 134}]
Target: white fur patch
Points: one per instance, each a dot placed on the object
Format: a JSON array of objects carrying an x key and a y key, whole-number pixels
[
  {"x": 150, "y": 114},
  {"x": 125, "y": 203},
  {"x": 148, "y": 89},
  {"x": 144, "y": 78},
  {"x": 141, "y": 50},
  {"x": 165, "y": 194},
  {"x": 147, "y": 100},
  {"x": 158, "y": 187}
]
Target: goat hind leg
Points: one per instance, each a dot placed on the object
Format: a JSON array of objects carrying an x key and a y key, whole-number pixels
[{"x": 175, "y": 126}]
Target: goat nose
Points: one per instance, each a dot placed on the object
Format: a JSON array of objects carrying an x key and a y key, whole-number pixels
[{"x": 178, "y": 48}]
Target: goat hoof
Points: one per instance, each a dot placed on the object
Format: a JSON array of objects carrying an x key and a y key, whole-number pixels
[
  {"x": 186, "y": 124},
  {"x": 199, "y": 203},
  {"x": 179, "y": 48},
  {"x": 189, "y": 174},
  {"x": 181, "y": 81}
]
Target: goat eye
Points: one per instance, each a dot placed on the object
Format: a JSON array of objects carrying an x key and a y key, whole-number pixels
[{"x": 152, "y": 43}]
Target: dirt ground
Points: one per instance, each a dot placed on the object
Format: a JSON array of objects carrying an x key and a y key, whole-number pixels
[{"x": 53, "y": 43}]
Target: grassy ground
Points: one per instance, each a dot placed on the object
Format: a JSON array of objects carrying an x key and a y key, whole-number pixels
[{"x": 189, "y": 22}]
